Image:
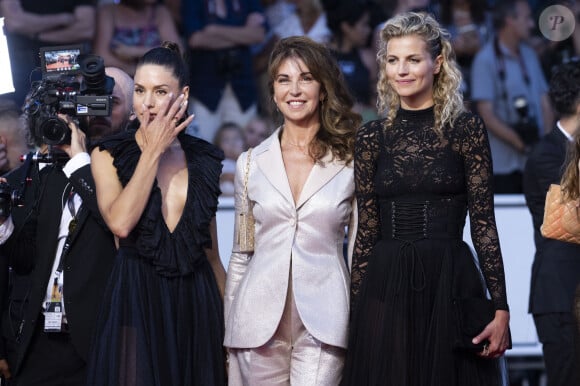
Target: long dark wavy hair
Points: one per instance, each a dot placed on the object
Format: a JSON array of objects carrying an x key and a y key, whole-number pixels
[{"x": 338, "y": 123}]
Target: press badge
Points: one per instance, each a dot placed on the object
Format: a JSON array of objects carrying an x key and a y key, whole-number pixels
[{"x": 53, "y": 317}]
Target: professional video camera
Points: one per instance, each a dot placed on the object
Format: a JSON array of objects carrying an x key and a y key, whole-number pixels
[
  {"x": 72, "y": 83},
  {"x": 526, "y": 126}
]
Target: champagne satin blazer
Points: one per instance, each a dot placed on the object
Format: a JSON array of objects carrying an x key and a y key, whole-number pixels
[{"x": 307, "y": 237}]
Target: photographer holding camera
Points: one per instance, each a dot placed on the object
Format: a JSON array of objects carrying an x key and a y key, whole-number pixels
[
  {"x": 56, "y": 251},
  {"x": 510, "y": 93}
]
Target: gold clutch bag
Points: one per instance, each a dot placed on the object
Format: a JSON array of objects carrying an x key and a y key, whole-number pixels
[{"x": 245, "y": 229}]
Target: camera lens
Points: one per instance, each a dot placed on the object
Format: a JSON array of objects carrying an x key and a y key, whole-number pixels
[
  {"x": 55, "y": 131},
  {"x": 93, "y": 71}
]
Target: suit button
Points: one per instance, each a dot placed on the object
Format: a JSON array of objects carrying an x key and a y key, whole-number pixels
[{"x": 292, "y": 222}]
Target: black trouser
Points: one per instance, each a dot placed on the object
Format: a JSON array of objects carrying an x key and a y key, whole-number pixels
[
  {"x": 557, "y": 334},
  {"x": 51, "y": 360}
]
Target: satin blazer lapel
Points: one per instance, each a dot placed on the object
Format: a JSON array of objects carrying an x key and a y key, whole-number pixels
[
  {"x": 271, "y": 164},
  {"x": 321, "y": 173}
]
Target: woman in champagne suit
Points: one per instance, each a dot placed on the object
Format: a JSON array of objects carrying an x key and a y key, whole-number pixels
[{"x": 287, "y": 302}]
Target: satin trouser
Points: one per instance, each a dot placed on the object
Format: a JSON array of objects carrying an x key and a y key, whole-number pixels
[{"x": 291, "y": 357}]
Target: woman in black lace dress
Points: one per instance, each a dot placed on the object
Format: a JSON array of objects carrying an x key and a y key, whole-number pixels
[
  {"x": 417, "y": 174},
  {"x": 161, "y": 321}
]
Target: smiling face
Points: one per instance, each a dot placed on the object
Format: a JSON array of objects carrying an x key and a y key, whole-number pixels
[
  {"x": 296, "y": 93},
  {"x": 153, "y": 85},
  {"x": 410, "y": 71}
]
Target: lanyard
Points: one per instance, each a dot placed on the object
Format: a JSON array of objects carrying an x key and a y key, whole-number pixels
[
  {"x": 72, "y": 225},
  {"x": 501, "y": 64}
]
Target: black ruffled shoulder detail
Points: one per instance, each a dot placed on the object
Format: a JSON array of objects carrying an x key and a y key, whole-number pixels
[{"x": 179, "y": 252}]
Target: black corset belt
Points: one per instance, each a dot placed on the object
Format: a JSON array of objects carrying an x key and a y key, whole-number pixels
[{"x": 411, "y": 220}]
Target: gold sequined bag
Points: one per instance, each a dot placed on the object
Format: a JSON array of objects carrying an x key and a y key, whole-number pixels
[{"x": 245, "y": 229}]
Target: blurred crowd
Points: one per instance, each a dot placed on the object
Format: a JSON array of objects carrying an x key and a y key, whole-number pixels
[{"x": 227, "y": 44}]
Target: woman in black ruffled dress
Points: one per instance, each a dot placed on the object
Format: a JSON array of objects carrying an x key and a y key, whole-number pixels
[
  {"x": 417, "y": 174},
  {"x": 161, "y": 321}
]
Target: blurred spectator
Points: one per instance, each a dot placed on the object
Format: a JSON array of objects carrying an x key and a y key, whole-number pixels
[
  {"x": 13, "y": 142},
  {"x": 220, "y": 34},
  {"x": 258, "y": 129},
  {"x": 391, "y": 8},
  {"x": 276, "y": 11},
  {"x": 174, "y": 7},
  {"x": 469, "y": 24},
  {"x": 308, "y": 19},
  {"x": 349, "y": 22},
  {"x": 394, "y": 7},
  {"x": 510, "y": 93},
  {"x": 128, "y": 29},
  {"x": 31, "y": 24},
  {"x": 230, "y": 138}
]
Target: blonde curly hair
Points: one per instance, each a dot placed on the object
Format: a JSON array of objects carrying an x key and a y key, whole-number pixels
[{"x": 447, "y": 96}]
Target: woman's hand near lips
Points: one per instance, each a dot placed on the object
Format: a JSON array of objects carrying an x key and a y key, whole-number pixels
[{"x": 159, "y": 131}]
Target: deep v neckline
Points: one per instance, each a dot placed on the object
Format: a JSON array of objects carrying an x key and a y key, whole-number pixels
[{"x": 185, "y": 205}]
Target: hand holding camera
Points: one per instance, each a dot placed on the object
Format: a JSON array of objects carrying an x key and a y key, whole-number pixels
[{"x": 77, "y": 142}]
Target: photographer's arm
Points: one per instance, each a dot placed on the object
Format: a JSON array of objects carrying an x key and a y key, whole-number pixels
[
  {"x": 215, "y": 36},
  {"x": 80, "y": 29},
  {"x": 498, "y": 127},
  {"x": 17, "y": 20}
]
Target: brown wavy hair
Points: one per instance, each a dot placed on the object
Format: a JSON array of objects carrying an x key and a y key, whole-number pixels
[
  {"x": 570, "y": 181},
  {"x": 338, "y": 123}
]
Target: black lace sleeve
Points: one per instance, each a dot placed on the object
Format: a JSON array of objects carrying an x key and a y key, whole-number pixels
[
  {"x": 478, "y": 176},
  {"x": 367, "y": 147}
]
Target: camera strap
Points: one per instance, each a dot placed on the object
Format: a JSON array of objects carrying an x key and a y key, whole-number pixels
[
  {"x": 501, "y": 72},
  {"x": 72, "y": 228}
]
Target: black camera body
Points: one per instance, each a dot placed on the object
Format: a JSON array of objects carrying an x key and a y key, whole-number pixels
[
  {"x": 72, "y": 83},
  {"x": 525, "y": 126}
]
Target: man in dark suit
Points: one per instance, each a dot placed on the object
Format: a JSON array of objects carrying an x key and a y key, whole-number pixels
[
  {"x": 556, "y": 267},
  {"x": 57, "y": 254}
]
